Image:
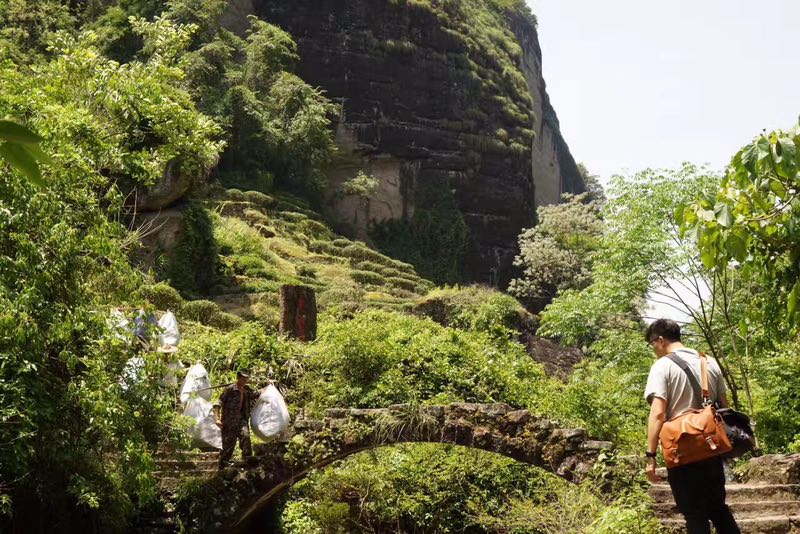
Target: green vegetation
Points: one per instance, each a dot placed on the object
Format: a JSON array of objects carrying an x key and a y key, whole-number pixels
[
  {"x": 118, "y": 96},
  {"x": 434, "y": 240},
  {"x": 745, "y": 230},
  {"x": 557, "y": 253},
  {"x": 434, "y": 488},
  {"x": 475, "y": 308},
  {"x": 74, "y": 437},
  {"x": 380, "y": 358}
]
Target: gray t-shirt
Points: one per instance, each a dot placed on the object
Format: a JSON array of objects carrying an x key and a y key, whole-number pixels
[{"x": 668, "y": 381}]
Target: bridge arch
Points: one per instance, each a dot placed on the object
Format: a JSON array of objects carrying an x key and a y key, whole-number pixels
[{"x": 496, "y": 428}]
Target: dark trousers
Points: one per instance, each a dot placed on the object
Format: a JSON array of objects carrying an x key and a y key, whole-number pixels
[
  {"x": 230, "y": 433},
  {"x": 699, "y": 491}
]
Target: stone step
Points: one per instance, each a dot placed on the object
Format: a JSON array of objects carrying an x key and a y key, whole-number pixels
[
  {"x": 661, "y": 493},
  {"x": 185, "y": 473},
  {"x": 742, "y": 510},
  {"x": 156, "y": 524},
  {"x": 192, "y": 456},
  {"x": 778, "y": 524},
  {"x": 185, "y": 465}
]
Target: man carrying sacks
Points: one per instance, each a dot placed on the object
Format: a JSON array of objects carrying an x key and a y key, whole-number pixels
[
  {"x": 232, "y": 412},
  {"x": 681, "y": 387}
]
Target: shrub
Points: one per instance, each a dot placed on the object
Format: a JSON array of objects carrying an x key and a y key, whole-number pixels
[
  {"x": 374, "y": 267},
  {"x": 306, "y": 270},
  {"x": 255, "y": 217},
  {"x": 316, "y": 229},
  {"x": 253, "y": 266},
  {"x": 381, "y": 358},
  {"x": 202, "y": 311},
  {"x": 358, "y": 252},
  {"x": 367, "y": 277},
  {"x": 474, "y": 308},
  {"x": 162, "y": 296},
  {"x": 258, "y": 198},
  {"x": 324, "y": 247},
  {"x": 402, "y": 283},
  {"x": 210, "y": 314},
  {"x": 410, "y": 488},
  {"x": 235, "y": 236}
]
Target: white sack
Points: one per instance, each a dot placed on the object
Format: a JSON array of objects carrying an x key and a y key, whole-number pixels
[
  {"x": 196, "y": 380},
  {"x": 270, "y": 416},
  {"x": 130, "y": 373},
  {"x": 171, "y": 377},
  {"x": 168, "y": 326},
  {"x": 204, "y": 431},
  {"x": 120, "y": 325}
]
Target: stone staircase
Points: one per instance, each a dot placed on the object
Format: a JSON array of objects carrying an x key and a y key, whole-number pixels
[
  {"x": 759, "y": 508},
  {"x": 171, "y": 470}
]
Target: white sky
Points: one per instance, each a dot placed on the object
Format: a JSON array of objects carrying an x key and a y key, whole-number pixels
[{"x": 646, "y": 83}]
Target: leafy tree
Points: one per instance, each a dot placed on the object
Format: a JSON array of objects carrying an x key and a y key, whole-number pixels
[
  {"x": 362, "y": 185},
  {"x": 752, "y": 218},
  {"x": 746, "y": 235},
  {"x": 641, "y": 256},
  {"x": 557, "y": 253},
  {"x": 74, "y": 441},
  {"x": 26, "y": 26},
  {"x": 594, "y": 188}
]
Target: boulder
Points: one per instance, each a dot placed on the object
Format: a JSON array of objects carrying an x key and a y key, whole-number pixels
[
  {"x": 173, "y": 186},
  {"x": 774, "y": 469}
]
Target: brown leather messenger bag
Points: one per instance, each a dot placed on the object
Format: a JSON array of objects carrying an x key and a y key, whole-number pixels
[{"x": 697, "y": 434}]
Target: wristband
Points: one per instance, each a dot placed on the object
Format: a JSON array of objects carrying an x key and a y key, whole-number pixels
[{"x": 649, "y": 454}]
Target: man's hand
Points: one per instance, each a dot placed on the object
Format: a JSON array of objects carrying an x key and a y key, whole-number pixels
[
  {"x": 219, "y": 423},
  {"x": 650, "y": 469}
]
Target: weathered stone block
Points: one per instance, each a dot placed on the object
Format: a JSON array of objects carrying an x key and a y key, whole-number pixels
[
  {"x": 518, "y": 417},
  {"x": 568, "y": 434},
  {"x": 774, "y": 469},
  {"x": 594, "y": 445},
  {"x": 308, "y": 424},
  {"x": 336, "y": 413},
  {"x": 496, "y": 409}
]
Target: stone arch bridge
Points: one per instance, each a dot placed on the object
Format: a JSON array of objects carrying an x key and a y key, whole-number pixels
[{"x": 231, "y": 499}]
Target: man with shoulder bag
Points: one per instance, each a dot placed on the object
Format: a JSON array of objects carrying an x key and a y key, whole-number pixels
[{"x": 682, "y": 388}]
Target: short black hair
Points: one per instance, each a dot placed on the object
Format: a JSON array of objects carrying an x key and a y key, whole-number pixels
[{"x": 666, "y": 328}]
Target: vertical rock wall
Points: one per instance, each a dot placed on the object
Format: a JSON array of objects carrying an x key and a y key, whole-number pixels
[
  {"x": 445, "y": 104},
  {"x": 554, "y": 169}
]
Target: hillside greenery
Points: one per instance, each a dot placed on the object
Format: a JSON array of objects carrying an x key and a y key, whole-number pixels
[{"x": 121, "y": 92}]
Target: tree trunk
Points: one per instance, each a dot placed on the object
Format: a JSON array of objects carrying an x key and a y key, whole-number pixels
[{"x": 298, "y": 312}]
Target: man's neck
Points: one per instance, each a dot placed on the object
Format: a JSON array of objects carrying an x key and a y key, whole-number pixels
[{"x": 674, "y": 346}]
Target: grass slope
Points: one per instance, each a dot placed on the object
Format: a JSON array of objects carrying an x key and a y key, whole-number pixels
[{"x": 267, "y": 241}]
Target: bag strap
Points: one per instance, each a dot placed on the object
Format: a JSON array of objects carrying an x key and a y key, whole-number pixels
[
  {"x": 704, "y": 376},
  {"x": 699, "y": 393}
]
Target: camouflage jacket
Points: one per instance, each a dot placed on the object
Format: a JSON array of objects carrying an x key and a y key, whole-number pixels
[{"x": 233, "y": 408}]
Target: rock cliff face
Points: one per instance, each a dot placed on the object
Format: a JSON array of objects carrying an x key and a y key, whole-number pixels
[{"x": 444, "y": 103}]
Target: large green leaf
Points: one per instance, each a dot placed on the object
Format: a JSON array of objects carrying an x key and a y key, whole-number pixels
[
  {"x": 736, "y": 247},
  {"x": 724, "y": 215},
  {"x": 16, "y": 133},
  {"x": 791, "y": 303},
  {"x": 38, "y": 154},
  {"x": 679, "y": 214},
  {"x": 19, "y": 158}
]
